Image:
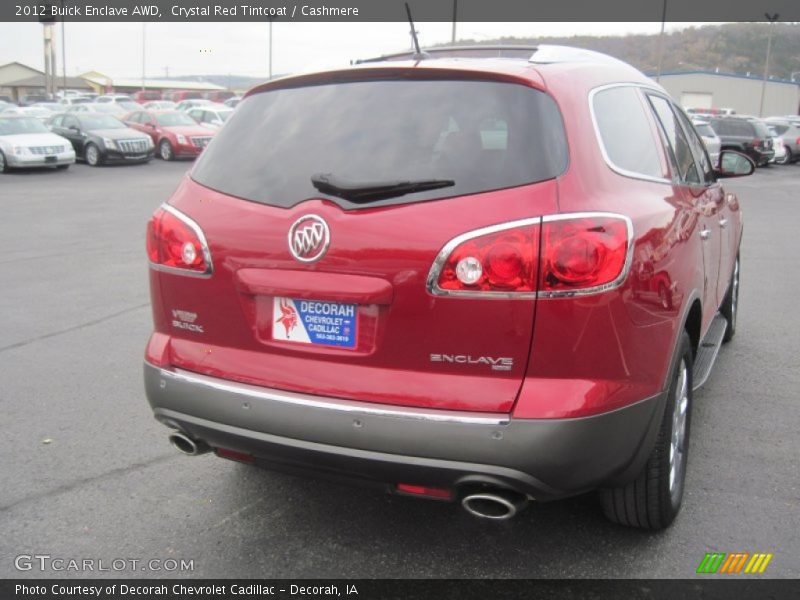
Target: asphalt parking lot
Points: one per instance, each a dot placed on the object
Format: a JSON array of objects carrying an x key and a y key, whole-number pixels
[{"x": 88, "y": 474}]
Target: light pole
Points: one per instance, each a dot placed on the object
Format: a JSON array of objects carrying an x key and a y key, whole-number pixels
[
  {"x": 455, "y": 15},
  {"x": 270, "y": 48},
  {"x": 771, "y": 18},
  {"x": 143, "y": 55},
  {"x": 661, "y": 41},
  {"x": 63, "y": 51}
]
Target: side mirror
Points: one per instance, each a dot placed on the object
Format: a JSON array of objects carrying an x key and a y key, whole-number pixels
[{"x": 734, "y": 164}]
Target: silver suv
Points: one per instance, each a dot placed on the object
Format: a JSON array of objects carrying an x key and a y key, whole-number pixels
[{"x": 789, "y": 130}]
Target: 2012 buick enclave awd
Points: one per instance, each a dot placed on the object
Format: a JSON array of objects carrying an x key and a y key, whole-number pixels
[{"x": 486, "y": 281}]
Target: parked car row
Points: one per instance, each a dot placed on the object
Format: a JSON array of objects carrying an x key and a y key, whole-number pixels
[
  {"x": 98, "y": 137},
  {"x": 764, "y": 141}
]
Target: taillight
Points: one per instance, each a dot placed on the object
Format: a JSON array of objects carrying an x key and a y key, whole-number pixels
[
  {"x": 501, "y": 259},
  {"x": 560, "y": 255},
  {"x": 176, "y": 243},
  {"x": 583, "y": 252}
]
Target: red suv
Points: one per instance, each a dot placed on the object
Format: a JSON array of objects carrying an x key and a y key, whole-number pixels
[{"x": 485, "y": 281}]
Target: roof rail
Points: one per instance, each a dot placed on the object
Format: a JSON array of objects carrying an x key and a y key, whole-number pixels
[
  {"x": 547, "y": 53},
  {"x": 474, "y": 51}
]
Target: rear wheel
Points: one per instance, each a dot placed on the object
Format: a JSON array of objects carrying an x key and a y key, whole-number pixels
[
  {"x": 3, "y": 163},
  {"x": 730, "y": 305},
  {"x": 165, "y": 150},
  {"x": 653, "y": 499},
  {"x": 92, "y": 155},
  {"x": 787, "y": 157}
]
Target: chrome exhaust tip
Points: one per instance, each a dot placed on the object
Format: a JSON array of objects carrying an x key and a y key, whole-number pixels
[
  {"x": 186, "y": 445},
  {"x": 500, "y": 505}
]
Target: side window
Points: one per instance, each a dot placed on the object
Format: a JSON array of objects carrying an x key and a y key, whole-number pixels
[
  {"x": 56, "y": 122},
  {"x": 780, "y": 129},
  {"x": 70, "y": 122},
  {"x": 679, "y": 145},
  {"x": 698, "y": 147},
  {"x": 625, "y": 133}
]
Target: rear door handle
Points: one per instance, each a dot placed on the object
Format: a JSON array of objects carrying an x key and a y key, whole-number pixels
[
  {"x": 723, "y": 223},
  {"x": 705, "y": 234}
]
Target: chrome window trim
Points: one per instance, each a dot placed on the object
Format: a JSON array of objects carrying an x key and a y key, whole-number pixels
[
  {"x": 432, "y": 283},
  {"x": 611, "y": 165},
  {"x": 353, "y": 407},
  {"x": 201, "y": 236}
]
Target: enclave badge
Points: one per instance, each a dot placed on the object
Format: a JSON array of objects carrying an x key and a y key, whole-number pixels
[{"x": 309, "y": 238}]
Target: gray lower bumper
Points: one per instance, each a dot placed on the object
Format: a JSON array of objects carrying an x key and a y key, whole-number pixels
[{"x": 544, "y": 458}]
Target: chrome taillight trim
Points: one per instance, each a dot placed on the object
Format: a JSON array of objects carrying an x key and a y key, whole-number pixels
[
  {"x": 432, "y": 283},
  {"x": 203, "y": 242},
  {"x": 626, "y": 267}
]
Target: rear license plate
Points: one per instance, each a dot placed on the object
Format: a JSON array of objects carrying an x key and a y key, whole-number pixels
[
  {"x": 315, "y": 322},
  {"x": 50, "y": 159}
]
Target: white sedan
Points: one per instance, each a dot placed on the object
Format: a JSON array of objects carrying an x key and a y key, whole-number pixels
[{"x": 26, "y": 142}]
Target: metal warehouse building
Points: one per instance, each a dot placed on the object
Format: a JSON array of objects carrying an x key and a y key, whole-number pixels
[{"x": 709, "y": 89}]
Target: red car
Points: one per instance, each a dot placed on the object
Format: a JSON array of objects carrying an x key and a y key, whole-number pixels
[
  {"x": 433, "y": 276},
  {"x": 175, "y": 134}
]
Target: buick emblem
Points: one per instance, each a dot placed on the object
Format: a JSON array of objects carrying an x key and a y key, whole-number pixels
[{"x": 309, "y": 238}]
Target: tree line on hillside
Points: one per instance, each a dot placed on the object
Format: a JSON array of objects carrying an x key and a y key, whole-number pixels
[{"x": 729, "y": 48}]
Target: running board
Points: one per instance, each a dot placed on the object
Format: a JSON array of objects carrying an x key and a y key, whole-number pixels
[{"x": 708, "y": 350}]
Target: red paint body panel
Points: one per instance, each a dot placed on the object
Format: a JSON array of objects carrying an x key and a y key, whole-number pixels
[{"x": 396, "y": 244}]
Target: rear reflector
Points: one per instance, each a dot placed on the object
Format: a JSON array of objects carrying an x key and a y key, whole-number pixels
[
  {"x": 234, "y": 455},
  {"x": 421, "y": 490},
  {"x": 176, "y": 243},
  {"x": 558, "y": 255}
]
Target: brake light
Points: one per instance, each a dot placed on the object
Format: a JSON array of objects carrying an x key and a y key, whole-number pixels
[
  {"x": 553, "y": 256},
  {"x": 584, "y": 252},
  {"x": 176, "y": 243},
  {"x": 492, "y": 260}
]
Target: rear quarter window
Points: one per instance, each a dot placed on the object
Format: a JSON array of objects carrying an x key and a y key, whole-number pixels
[
  {"x": 625, "y": 133},
  {"x": 482, "y": 135}
]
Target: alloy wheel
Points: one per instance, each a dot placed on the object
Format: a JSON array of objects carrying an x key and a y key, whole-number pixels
[{"x": 677, "y": 447}]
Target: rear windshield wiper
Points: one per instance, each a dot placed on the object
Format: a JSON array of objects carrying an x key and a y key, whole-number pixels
[{"x": 375, "y": 190}]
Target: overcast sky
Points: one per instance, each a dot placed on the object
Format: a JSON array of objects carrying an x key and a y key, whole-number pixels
[{"x": 115, "y": 49}]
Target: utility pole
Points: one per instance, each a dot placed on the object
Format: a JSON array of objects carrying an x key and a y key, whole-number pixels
[
  {"x": 455, "y": 18},
  {"x": 661, "y": 41},
  {"x": 771, "y": 18}
]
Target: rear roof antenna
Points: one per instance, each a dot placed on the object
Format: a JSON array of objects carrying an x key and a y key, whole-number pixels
[{"x": 418, "y": 54}]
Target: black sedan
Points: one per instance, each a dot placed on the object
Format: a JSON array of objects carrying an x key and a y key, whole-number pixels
[{"x": 102, "y": 138}]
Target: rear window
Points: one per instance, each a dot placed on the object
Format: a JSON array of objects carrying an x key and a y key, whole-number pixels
[{"x": 482, "y": 135}]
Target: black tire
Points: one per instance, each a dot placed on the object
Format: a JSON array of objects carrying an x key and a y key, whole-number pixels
[
  {"x": 165, "y": 150},
  {"x": 653, "y": 499},
  {"x": 93, "y": 156},
  {"x": 730, "y": 306},
  {"x": 787, "y": 158},
  {"x": 4, "y": 168}
]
